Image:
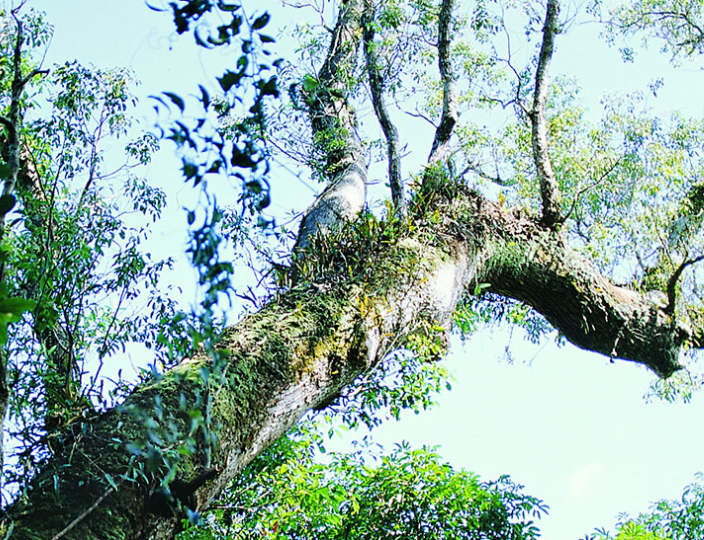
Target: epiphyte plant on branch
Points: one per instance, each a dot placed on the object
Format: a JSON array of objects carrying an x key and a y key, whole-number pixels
[{"x": 582, "y": 207}]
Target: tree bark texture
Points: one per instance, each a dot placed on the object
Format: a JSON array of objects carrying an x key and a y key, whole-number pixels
[{"x": 335, "y": 323}]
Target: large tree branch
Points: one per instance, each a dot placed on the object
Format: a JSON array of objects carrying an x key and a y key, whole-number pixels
[
  {"x": 580, "y": 303},
  {"x": 333, "y": 123},
  {"x": 303, "y": 348},
  {"x": 549, "y": 189},
  {"x": 440, "y": 150},
  {"x": 376, "y": 84}
]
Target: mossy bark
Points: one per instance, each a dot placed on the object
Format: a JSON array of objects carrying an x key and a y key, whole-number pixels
[{"x": 307, "y": 345}]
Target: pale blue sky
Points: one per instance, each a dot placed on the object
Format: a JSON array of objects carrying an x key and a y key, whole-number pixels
[{"x": 572, "y": 427}]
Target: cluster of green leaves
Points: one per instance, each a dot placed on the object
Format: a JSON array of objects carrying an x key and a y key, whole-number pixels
[
  {"x": 226, "y": 136},
  {"x": 488, "y": 310},
  {"x": 36, "y": 34},
  {"x": 676, "y": 24},
  {"x": 668, "y": 520},
  {"x": 297, "y": 491},
  {"x": 405, "y": 381}
]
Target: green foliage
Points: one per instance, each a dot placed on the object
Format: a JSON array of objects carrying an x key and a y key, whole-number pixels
[
  {"x": 409, "y": 378},
  {"x": 634, "y": 202},
  {"x": 668, "y": 520},
  {"x": 489, "y": 310},
  {"x": 11, "y": 311},
  {"x": 324, "y": 156},
  {"x": 223, "y": 138},
  {"x": 405, "y": 381},
  {"x": 73, "y": 259},
  {"x": 676, "y": 24},
  {"x": 233, "y": 147},
  {"x": 296, "y": 490}
]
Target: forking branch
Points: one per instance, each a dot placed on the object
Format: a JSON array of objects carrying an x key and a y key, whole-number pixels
[{"x": 333, "y": 119}]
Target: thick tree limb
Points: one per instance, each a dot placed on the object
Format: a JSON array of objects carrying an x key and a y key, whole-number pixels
[
  {"x": 440, "y": 150},
  {"x": 304, "y": 348},
  {"x": 376, "y": 84},
  {"x": 333, "y": 124},
  {"x": 583, "y": 305},
  {"x": 549, "y": 189}
]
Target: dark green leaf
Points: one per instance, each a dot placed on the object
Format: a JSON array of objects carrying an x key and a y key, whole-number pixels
[
  {"x": 222, "y": 6},
  {"x": 177, "y": 100},
  {"x": 15, "y": 306},
  {"x": 254, "y": 187},
  {"x": 7, "y": 203},
  {"x": 270, "y": 87},
  {"x": 189, "y": 170},
  {"x": 215, "y": 167},
  {"x": 242, "y": 160},
  {"x": 5, "y": 171},
  {"x": 310, "y": 83},
  {"x": 261, "y": 21},
  {"x": 230, "y": 79}
]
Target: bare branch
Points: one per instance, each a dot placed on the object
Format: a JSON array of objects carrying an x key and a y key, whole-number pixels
[
  {"x": 476, "y": 169},
  {"x": 549, "y": 190},
  {"x": 591, "y": 186},
  {"x": 440, "y": 148},
  {"x": 85, "y": 514},
  {"x": 415, "y": 114},
  {"x": 376, "y": 85},
  {"x": 672, "y": 282}
]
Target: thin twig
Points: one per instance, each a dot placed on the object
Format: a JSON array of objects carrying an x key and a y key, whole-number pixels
[
  {"x": 672, "y": 283},
  {"x": 86, "y": 513},
  {"x": 591, "y": 186}
]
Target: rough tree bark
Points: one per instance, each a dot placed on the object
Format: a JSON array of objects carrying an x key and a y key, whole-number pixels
[{"x": 312, "y": 341}]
